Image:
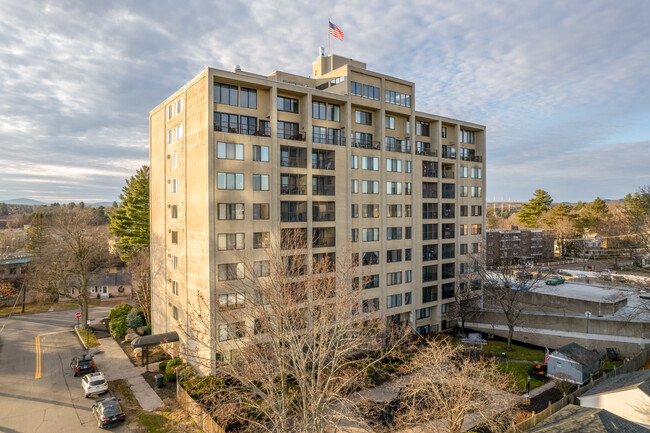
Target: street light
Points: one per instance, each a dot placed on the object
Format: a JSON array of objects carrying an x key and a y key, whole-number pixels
[{"x": 588, "y": 315}]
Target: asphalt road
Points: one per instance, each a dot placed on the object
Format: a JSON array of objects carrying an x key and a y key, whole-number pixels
[{"x": 38, "y": 392}]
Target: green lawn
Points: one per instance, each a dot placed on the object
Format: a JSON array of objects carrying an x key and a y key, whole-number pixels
[
  {"x": 520, "y": 374},
  {"x": 88, "y": 336},
  {"x": 609, "y": 365},
  {"x": 72, "y": 305},
  {"x": 518, "y": 352},
  {"x": 29, "y": 308}
]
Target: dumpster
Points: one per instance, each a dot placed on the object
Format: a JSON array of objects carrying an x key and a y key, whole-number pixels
[{"x": 159, "y": 380}]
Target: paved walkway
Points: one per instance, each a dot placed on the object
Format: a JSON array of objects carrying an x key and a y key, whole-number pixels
[
  {"x": 113, "y": 362},
  {"x": 540, "y": 389}
]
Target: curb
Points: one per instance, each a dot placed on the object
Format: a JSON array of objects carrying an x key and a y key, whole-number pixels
[{"x": 76, "y": 331}]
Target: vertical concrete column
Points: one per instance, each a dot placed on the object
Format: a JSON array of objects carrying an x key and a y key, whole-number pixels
[{"x": 274, "y": 160}]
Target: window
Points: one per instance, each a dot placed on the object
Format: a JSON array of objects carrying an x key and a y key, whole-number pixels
[
  {"x": 230, "y": 241},
  {"x": 261, "y": 211},
  {"x": 429, "y": 190},
  {"x": 408, "y": 276},
  {"x": 175, "y": 312},
  {"x": 370, "y": 210},
  {"x": 394, "y": 165},
  {"x": 463, "y": 210},
  {"x": 448, "y": 190},
  {"x": 448, "y": 251},
  {"x": 354, "y": 211},
  {"x": 423, "y": 330},
  {"x": 371, "y": 258},
  {"x": 248, "y": 98},
  {"x": 394, "y": 211},
  {"x": 429, "y": 294},
  {"x": 393, "y": 233},
  {"x": 265, "y": 128},
  {"x": 247, "y": 125},
  {"x": 443, "y": 131},
  {"x": 477, "y": 210},
  {"x": 354, "y": 161},
  {"x": 467, "y": 136},
  {"x": 260, "y": 153},
  {"x": 476, "y": 229},
  {"x": 225, "y": 94},
  {"x": 287, "y": 104},
  {"x": 429, "y": 211},
  {"x": 408, "y": 210},
  {"x": 364, "y": 90},
  {"x": 231, "y": 211},
  {"x": 443, "y": 310},
  {"x": 226, "y": 122},
  {"x": 463, "y": 230},
  {"x": 407, "y": 188},
  {"x": 174, "y": 237},
  {"x": 174, "y": 184},
  {"x": 463, "y": 171},
  {"x": 463, "y": 249},
  {"x": 289, "y": 130},
  {"x": 394, "y": 301},
  {"x": 230, "y": 271},
  {"x": 462, "y": 268},
  {"x": 393, "y": 278},
  {"x": 393, "y": 188},
  {"x": 322, "y": 185},
  {"x": 174, "y": 211},
  {"x": 429, "y": 273},
  {"x": 476, "y": 191},
  {"x": 293, "y": 157},
  {"x": 260, "y": 182},
  {"x": 390, "y": 122},
  {"x": 174, "y": 288},
  {"x": 407, "y": 298},
  {"x": 407, "y": 166},
  {"x": 354, "y": 237},
  {"x": 174, "y": 160},
  {"x": 230, "y": 180},
  {"x": 422, "y": 128},
  {"x": 429, "y": 252},
  {"x": 429, "y": 232},
  {"x": 231, "y": 331},
  {"x": 319, "y": 110},
  {"x": 398, "y": 98},
  {"x": 231, "y": 300},
  {"x": 355, "y": 186},
  {"x": 261, "y": 268},
  {"x": 463, "y": 191},
  {"x": 448, "y": 231},
  {"x": 334, "y": 113},
  {"x": 370, "y": 187},
  {"x": 363, "y": 140},
  {"x": 476, "y": 247},
  {"x": 363, "y": 117},
  {"x": 423, "y": 313},
  {"x": 393, "y": 256},
  {"x": 448, "y": 210},
  {"x": 369, "y": 163},
  {"x": 429, "y": 169},
  {"x": 407, "y": 232},
  {"x": 174, "y": 262},
  {"x": 230, "y": 151},
  {"x": 323, "y": 211},
  {"x": 370, "y": 305},
  {"x": 447, "y": 290},
  {"x": 370, "y": 235},
  {"x": 261, "y": 240}
]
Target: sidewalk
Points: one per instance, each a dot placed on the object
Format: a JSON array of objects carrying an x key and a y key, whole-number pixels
[{"x": 113, "y": 362}]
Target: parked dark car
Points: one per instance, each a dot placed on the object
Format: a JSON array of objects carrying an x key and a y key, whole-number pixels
[
  {"x": 82, "y": 364},
  {"x": 107, "y": 412}
]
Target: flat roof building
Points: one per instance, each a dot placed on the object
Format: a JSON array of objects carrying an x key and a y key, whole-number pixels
[{"x": 236, "y": 157}]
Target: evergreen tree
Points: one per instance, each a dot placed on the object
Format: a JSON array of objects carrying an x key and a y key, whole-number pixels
[
  {"x": 130, "y": 221},
  {"x": 4, "y": 209},
  {"x": 539, "y": 203}
]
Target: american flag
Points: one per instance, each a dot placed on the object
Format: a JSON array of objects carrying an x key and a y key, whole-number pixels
[
  {"x": 546, "y": 355},
  {"x": 335, "y": 31}
]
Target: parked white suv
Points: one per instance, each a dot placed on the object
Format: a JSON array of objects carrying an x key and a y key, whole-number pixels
[{"x": 94, "y": 383}]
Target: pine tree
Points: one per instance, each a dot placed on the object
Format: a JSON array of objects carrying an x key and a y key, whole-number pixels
[
  {"x": 539, "y": 203},
  {"x": 130, "y": 221}
]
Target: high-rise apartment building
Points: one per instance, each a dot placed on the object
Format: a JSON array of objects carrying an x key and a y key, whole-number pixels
[{"x": 236, "y": 157}]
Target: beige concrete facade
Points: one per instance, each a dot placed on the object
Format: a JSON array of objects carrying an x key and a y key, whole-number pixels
[{"x": 442, "y": 161}]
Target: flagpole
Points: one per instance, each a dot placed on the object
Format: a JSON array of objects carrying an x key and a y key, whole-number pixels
[{"x": 329, "y": 51}]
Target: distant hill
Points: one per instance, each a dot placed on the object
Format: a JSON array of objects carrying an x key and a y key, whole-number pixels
[
  {"x": 106, "y": 204},
  {"x": 24, "y": 201}
]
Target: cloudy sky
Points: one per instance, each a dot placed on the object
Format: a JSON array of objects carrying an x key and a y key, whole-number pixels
[{"x": 563, "y": 86}]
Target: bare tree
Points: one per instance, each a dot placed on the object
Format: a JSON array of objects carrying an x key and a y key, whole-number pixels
[
  {"x": 467, "y": 300},
  {"x": 75, "y": 247},
  {"x": 446, "y": 388},
  {"x": 140, "y": 269},
  {"x": 295, "y": 336}
]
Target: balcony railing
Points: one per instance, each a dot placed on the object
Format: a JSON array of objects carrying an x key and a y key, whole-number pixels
[
  {"x": 449, "y": 155},
  {"x": 322, "y": 191},
  {"x": 293, "y": 189},
  {"x": 293, "y": 217},
  {"x": 426, "y": 152},
  {"x": 364, "y": 144},
  {"x": 235, "y": 128},
  {"x": 448, "y": 174},
  {"x": 324, "y": 216},
  {"x": 473, "y": 158},
  {"x": 291, "y": 135},
  {"x": 397, "y": 147},
  {"x": 323, "y": 165},
  {"x": 326, "y": 139}
]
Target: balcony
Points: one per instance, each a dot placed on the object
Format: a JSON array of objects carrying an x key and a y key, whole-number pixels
[
  {"x": 449, "y": 155},
  {"x": 293, "y": 189},
  {"x": 399, "y": 146},
  {"x": 327, "y": 139},
  {"x": 364, "y": 144},
  {"x": 426, "y": 152},
  {"x": 448, "y": 174},
  {"x": 292, "y": 135},
  {"x": 235, "y": 128},
  {"x": 472, "y": 158},
  {"x": 293, "y": 217}
]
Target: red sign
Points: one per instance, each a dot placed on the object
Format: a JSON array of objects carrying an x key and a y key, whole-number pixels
[{"x": 77, "y": 315}]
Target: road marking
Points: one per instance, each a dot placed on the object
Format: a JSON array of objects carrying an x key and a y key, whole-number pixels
[{"x": 38, "y": 358}]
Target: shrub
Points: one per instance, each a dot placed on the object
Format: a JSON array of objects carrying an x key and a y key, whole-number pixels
[
  {"x": 147, "y": 330},
  {"x": 186, "y": 373},
  {"x": 170, "y": 370},
  {"x": 135, "y": 319},
  {"x": 118, "y": 327},
  {"x": 119, "y": 310},
  {"x": 174, "y": 362},
  {"x": 199, "y": 387},
  {"x": 163, "y": 365}
]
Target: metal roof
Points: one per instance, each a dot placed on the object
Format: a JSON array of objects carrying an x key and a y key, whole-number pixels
[{"x": 154, "y": 340}]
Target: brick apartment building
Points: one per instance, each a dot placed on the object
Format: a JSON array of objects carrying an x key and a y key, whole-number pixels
[{"x": 520, "y": 245}]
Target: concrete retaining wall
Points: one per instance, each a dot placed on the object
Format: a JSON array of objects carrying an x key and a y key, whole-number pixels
[{"x": 561, "y": 304}]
